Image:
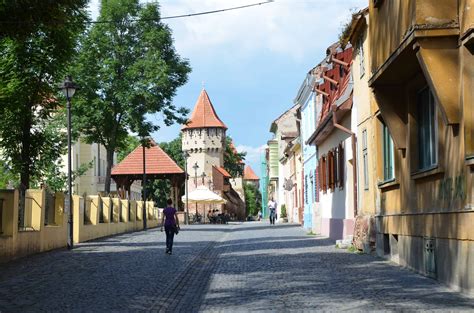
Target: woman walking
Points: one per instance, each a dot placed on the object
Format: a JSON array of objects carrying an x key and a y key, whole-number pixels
[{"x": 171, "y": 223}]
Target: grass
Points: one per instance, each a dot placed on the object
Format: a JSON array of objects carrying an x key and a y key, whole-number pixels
[
  {"x": 310, "y": 233},
  {"x": 353, "y": 249}
]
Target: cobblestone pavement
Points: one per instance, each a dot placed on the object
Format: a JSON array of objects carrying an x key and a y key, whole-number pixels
[{"x": 231, "y": 268}]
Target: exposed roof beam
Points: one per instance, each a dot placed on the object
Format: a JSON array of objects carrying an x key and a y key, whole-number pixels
[
  {"x": 333, "y": 59},
  {"x": 333, "y": 81},
  {"x": 321, "y": 92}
]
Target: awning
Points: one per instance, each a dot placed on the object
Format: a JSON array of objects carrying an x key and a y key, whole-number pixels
[{"x": 203, "y": 195}]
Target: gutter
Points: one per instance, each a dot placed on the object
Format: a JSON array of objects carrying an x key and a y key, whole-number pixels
[{"x": 354, "y": 153}]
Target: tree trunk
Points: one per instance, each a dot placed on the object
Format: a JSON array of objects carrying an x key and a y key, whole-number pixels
[
  {"x": 25, "y": 153},
  {"x": 110, "y": 161}
]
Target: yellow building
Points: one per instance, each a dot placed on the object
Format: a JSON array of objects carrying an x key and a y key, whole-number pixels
[
  {"x": 92, "y": 182},
  {"x": 367, "y": 119},
  {"x": 421, "y": 73}
]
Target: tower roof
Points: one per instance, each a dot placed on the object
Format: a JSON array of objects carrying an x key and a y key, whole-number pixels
[
  {"x": 204, "y": 114},
  {"x": 249, "y": 174}
]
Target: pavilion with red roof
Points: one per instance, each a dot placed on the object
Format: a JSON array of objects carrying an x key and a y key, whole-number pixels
[{"x": 158, "y": 165}]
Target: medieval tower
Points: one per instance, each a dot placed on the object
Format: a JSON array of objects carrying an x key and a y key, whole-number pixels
[{"x": 204, "y": 139}]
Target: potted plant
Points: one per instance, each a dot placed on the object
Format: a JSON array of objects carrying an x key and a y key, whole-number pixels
[{"x": 283, "y": 216}]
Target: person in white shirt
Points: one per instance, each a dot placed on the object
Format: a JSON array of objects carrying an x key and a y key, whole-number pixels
[{"x": 272, "y": 209}]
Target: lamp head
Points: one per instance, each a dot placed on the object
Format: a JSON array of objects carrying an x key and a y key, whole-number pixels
[{"x": 68, "y": 87}]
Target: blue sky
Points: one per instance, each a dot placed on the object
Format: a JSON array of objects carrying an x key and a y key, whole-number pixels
[{"x": 251, "y": 61}]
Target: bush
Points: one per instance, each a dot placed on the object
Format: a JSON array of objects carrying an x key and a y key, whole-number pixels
[{"x": 283, "y": 211}]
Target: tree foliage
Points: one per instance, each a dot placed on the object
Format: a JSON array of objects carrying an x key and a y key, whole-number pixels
[
  {"x": 127, "y": 68},
  {"x": 129, "y": 144},
  {"x": 252, "y": 199},
  {"x": 233, "y": 160},
  {"x": 159, "y": 190},
  {"x": 33, "y": 60}
]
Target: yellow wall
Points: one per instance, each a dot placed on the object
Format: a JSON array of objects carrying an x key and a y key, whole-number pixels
[
  {"x": 436, "y": 61},
  {"x": 430, "y": 225},
  {"x": 395, "y": 19},
  {"x": 37, "y": 237},
  {"x": 366, "y": 120}
]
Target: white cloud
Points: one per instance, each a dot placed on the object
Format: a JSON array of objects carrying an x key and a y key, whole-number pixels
[
  {"x": 289, "y": 28},
  {"x": 253, "y": 157}
]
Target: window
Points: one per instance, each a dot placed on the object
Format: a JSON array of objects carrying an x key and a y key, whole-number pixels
[
  {"x": 306, "y": 189},
  {"x": 377, "y": 3},
  {"x": 426, "y": 123},
  {"x": 312, "y": 185},
  {"x": 365, "y": 159},
  {"x": 361, "y": 58},
  {"x": 388, "y": 154},
  {"x": 322, "y": 168},
  {"x": 335, "y": 169},
  {"x": 341, "y": 71}
]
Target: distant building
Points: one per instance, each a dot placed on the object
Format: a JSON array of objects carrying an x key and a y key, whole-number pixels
[
  {"x": 92, "y": 182},
  {"x": 332, "y": 136},
  {"x": 285, "y": 130},
  {"x": 250, "y": 176},
  {"x": 204, "y": 139},
  {"x": 367, "y": 122},
  {"x": 309, "y": 101}
]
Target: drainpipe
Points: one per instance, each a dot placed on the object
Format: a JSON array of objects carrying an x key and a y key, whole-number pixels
[{"x": 354, "y": 153}]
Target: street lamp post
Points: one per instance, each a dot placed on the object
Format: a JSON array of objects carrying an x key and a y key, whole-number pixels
[
  {"x": 186, "y": 156},
  {"x": 144, "y": 187},
  {"x": 195, "y": 166},
  {"x": 68, "y": 88}
]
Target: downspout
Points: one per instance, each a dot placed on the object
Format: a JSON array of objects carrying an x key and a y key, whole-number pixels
[{"x": 354, "y": 153}]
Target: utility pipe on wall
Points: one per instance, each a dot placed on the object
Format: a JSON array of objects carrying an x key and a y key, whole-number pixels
[{"x": 354, "y": 153}]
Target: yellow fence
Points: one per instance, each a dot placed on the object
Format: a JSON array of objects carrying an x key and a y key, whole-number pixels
[{"x": 44, "y": 223}]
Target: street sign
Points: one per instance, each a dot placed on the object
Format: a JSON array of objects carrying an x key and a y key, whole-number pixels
[{"x": 66, "y": 205}]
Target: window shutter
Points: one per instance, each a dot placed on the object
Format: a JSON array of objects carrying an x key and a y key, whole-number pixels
[
  {"x": 331, "y": 169},
  {"x": 335, "y": 167},
  {"x": 316, "y": 186},
  {"x": 323, "y": 174},
  {"x": 341, "y": 166}
]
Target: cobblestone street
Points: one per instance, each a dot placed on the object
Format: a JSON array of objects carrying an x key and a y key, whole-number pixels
[{"x": 239, "y": 267}]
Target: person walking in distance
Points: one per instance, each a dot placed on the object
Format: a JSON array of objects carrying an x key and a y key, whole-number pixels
[
  {"x": 171, "y": 223},
  {"x": 272, "y": 209}
]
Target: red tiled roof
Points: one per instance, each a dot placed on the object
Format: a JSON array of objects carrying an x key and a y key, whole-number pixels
[
  {"x": 249, "y": 174},
  {"x": 204, "y": 114},
  {"x": 223, "y": 171},
  {"x": 156, "y": 162}
]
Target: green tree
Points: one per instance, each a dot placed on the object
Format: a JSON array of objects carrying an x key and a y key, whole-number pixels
[
  {"x": 129, "y": 144},
  {"x": 252, "y": 199},
  {"x": 34, "y": 56},
  {"x": 160, "y": 189},
  {"x": 233, "y": 160},
  {"x": 127, "y": 68},
  {"x": 6, "y": 175},
  {"x": 22, "y": 18}
]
